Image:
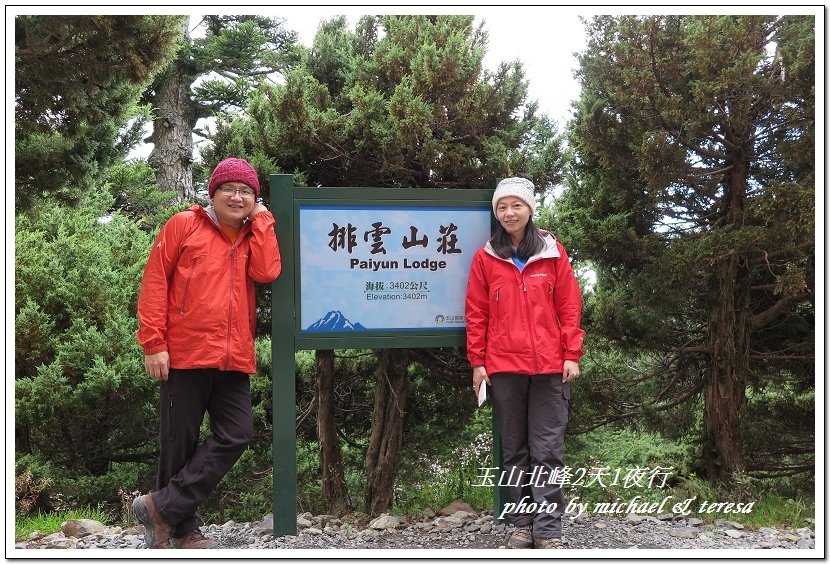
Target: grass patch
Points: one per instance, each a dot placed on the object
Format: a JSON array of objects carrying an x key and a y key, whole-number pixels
[
  {"x": 48, "y": 523},
  {"x": 771, "y": 510}
]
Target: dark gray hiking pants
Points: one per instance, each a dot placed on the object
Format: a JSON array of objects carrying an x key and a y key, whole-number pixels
[
  {"x": 532, "y": 413},
  {"x": 189, "y": 471}
]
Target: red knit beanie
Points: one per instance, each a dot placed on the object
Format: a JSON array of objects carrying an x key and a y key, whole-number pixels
[{"x": 233, "y": 170}]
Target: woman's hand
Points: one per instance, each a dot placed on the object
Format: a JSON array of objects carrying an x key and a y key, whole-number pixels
[{"x": 479, "y": 376}]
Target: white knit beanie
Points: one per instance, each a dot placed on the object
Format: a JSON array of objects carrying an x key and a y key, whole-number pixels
[{"x": 515, "y": 186}]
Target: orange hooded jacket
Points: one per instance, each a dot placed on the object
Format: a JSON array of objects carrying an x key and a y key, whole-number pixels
[{"x": 197, "y": 298}]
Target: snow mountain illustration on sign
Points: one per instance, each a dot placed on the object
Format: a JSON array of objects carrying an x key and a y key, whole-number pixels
[{"x": 334, "y": 321}]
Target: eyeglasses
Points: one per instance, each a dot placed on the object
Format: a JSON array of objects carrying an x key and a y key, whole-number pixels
[{"x": 246, "y": 193}]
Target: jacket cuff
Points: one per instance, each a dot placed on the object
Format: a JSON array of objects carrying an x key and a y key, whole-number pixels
[
  {"x": 475, "y": 361},
  {"x": 153, "y": 350}
]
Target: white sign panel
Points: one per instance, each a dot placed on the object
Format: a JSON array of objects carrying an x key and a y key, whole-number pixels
[{"x": 386, "y": 268}]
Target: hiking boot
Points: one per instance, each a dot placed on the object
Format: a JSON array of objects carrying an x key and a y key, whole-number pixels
[
  {"x": 554, "y": 542},
  {"x": 521, "y": 537},
  {"x": 194, "y": 539},
  {"x": 157, "y": 532}
]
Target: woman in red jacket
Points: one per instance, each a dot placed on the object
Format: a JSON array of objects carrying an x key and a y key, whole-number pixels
[{"x": 523, "y": 309}]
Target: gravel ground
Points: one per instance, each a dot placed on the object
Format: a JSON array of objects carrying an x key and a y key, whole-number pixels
[{"x": 458, "y": 530}]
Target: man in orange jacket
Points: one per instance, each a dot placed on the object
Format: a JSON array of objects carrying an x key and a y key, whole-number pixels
[{"x": 197, "y": 312}]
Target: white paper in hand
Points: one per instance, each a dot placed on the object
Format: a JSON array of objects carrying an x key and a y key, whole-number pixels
[{"x": 482, "y": 393}]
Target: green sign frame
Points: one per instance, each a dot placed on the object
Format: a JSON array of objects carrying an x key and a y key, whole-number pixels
[{"x": 287, "y": 338}]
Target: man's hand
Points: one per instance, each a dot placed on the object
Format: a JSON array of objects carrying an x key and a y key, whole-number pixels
[
  {"x": 570, "y": 370},
  {"x": 258, "y": 207},
  {"x": 157, "y": 365}
]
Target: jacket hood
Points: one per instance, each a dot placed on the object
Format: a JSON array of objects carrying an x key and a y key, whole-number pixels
[
  {"x": 210, "y": 214},
  {"x": 551, "y": 250}
]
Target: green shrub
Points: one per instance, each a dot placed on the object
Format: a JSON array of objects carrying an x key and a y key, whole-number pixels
[
  {"x": 82, "y": 400},
  {"x": 611, "y": 464}
]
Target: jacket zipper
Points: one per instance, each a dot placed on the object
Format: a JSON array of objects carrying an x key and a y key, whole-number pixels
[
  {"x": 530, "y": 329},
  {"x": 230, "y": 304},
  {"x": 187, "y": 286},
  {"x": 232, "y": 262}
]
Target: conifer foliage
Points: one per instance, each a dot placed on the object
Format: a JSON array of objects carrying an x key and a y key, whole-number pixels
[
  {"x": 213, "y": 73},
  {"x": 77, "y": 79},
  {"x": 399, "y": 101},
  {"x": 82, "y": 400},
  {"x": 694, "y": 197}
]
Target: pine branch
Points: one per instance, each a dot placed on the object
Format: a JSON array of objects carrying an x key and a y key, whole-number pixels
[{"x": 766, "y": 317}]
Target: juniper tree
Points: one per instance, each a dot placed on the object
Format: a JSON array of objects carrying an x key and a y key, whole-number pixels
[
  {"x": 694, "y": 197},
  {"x": 77, "y": 79},
  {"x": 212, "y": 74}
]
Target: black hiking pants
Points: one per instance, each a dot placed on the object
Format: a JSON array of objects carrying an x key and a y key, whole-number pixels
[{"x": 189, "y": 471}]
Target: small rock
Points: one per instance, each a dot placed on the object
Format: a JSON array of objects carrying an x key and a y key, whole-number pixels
[
  {"x": 806, "y": 533},
  {"x": 81, "y": 527},
  {"x": 266, "y": 526},
  {"x": 427, "y": 514},
  {"x": 733, "y": 533},
  {"x": 767, "y": 531},
  {"x": 324, "y": 518},
  {"x": 385, "y": 521},
  {"x": 600, "y": 525},
  {"x": 729, "y": 524},
  {"x": 666, "y": 516},
  {"x": 456, "y": 505},
  {"x": 684, "y": 532},
  {"x": 805, "y": 543},
  {"x": 633, "y": 518},
  {"x": 694, "y": 522},
  {"x": 449, "y": 522}
]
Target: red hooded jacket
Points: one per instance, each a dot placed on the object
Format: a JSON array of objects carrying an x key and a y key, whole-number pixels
[
  {"x": 523, "y": 322},
  {"x": 197, "y": 297}
]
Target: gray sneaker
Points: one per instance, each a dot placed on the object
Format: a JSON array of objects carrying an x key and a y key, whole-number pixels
[
  {"x": 157, "y": 532},
  {"x": 521, "y": 537}
]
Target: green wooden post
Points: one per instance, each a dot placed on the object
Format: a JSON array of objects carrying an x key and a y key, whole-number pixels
[
  {"x": 284, "y": 417},
  {"x": 501, "y": 495}
]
